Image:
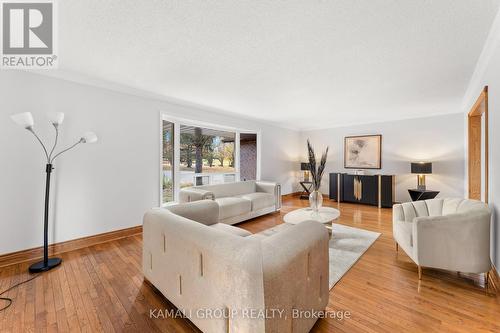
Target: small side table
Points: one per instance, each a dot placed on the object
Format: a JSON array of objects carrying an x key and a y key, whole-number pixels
[
  {"x": 417, "y": 194},
  {"x": 307, "y": 186}
]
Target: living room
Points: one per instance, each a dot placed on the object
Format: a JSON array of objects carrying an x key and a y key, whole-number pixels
[{"x": 250, "y": 166}]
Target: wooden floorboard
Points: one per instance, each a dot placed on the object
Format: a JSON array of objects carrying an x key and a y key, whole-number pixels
[{"x": 101, "y": 289}]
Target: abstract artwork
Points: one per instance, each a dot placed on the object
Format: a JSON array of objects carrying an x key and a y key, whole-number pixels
[{"x": 363, "y": 152}]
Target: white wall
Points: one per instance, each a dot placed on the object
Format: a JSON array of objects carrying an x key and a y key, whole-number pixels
[
  {"x": 487, "y": 73},
  {"x": 101, "y": 187},
  {"x": 437, "y": 139}
]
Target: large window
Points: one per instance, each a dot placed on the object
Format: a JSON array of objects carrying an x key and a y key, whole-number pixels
[
  {"x": 201, "y": 154},
  {"x": 206, "y": 156}
]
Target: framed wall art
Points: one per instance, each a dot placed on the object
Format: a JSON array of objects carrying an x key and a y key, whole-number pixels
[{"x": 363, "y": 152}]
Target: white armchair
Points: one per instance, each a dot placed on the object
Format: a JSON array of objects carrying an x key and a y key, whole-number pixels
[{"x": 451, "y": 234}]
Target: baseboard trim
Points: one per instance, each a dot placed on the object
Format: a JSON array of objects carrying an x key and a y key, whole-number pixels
[
  {"x": 494, "y": 276},
  {"x": 291, "y": 195},
  {"x": 74, "y": 244}
]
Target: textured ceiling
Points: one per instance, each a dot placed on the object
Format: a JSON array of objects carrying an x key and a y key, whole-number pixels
[{"x": 303, "y": 64}]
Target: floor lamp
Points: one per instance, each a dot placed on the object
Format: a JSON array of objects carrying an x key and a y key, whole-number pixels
[{"x": 26, "y": 120}]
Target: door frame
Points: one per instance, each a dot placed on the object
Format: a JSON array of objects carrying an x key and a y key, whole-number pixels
[{"x": 478, "y": 110}]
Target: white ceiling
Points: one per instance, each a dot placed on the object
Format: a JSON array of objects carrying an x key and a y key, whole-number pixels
[{"x": 303, "y": 64}]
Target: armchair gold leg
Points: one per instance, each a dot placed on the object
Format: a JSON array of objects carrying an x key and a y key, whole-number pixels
[
  {"x": 397, "y": 247},
  {"x": 486, "y": 278},
  {"x": 419, "y": 273}
]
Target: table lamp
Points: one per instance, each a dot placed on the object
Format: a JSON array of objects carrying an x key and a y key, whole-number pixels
[
  {"x": 305, "y": 167},
  {"x": 421, "y": 169}
]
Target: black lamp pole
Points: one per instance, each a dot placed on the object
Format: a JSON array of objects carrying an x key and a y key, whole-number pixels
[{"x": 47, "y": 263}]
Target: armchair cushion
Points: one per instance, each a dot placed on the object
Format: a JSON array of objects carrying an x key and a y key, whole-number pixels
[{"x": 459, "y": 241}]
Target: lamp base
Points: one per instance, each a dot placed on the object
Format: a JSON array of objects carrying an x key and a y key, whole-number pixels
[
  {"x": 41, "y": 267},
  {"x": 421, "y": 182}
]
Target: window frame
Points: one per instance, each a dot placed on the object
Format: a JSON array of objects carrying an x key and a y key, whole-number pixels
[{"x": 178, "y": 121}]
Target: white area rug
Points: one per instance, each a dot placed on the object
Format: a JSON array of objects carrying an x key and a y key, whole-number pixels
[{"x": 347, "y": 245}]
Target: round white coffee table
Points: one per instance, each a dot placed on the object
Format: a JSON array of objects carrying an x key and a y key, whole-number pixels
[{"x": 325, "y": 215}]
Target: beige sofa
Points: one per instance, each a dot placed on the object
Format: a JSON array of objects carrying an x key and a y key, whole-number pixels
[
  {"x": 238, "y": 201},
  {"x": 206, "y": 269},
  {"x": 451, "y": 234}
]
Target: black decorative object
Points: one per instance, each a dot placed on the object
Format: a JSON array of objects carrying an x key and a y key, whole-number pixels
[
  {"x": 421, "y": 169},
  {"x": 26, "y": 120},
  {"x": 417, "y": 194},
  {"x": 375, "y": 190}
]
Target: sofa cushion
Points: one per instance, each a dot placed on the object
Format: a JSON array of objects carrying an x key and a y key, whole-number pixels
[
  {"x": 259, "y": 199},
  {"x": 233, "y": 206},
  {"x": 421, "y": 208},
  {"x": 230, "y": 229},
  {"x": 229, "y": 189},
  {"x": 450, "y": 206},
  {"x": 469, "y": 205},
  {"x": 435, "y": 207}
]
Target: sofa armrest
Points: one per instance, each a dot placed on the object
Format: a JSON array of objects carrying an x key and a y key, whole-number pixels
[
  {"x": 398, "y": 213},
  {"x": 296, "y": 271},
  {"x": 267, "y": 187},
  {"x": 271, "y": 188},
  {"x": 202, "y": 211},
  {"x": 458, "y": 242},
  {"x": 194, "y": 194}
]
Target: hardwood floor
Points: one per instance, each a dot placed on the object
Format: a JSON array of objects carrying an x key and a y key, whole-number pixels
[{"x": 101, "y": 289}]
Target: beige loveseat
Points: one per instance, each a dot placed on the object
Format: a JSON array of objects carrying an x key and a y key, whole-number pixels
[
  {"x": 451, "y": 234},
  {"x": 238, "y": 201},
  {"x": 224, "y": 278}
]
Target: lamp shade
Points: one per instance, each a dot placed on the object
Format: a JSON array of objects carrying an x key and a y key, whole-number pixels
[
  {"x": 89, "y": 137},
  {"x": 24, "y": 119},
  {"x": 421, "y": 167},
  {"x": 304, "y": 166},
  {"x": 56, "y": 118}
]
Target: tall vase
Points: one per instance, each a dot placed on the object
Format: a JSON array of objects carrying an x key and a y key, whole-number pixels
[{"x": 315, "y": 200}]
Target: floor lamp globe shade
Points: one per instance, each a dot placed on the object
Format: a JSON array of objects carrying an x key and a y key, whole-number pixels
[
  {"x": 24, "y": 119},
  {"x": 56, "y": 118},
  {"x": 89, "y": 137}
]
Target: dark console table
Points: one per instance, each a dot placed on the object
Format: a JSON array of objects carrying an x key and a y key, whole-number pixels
[
  {"x": 417, "y": 194},
  {"x": 376, "y": 190}
]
